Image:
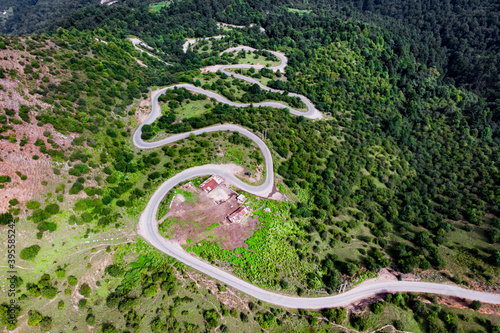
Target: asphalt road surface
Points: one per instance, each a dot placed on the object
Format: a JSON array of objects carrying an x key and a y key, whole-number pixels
[{"x": 148, "y": 224}]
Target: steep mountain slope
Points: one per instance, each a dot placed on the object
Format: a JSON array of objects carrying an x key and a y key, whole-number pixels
[
  {"x": 400, "y": 177},
  {"x": 32, "y": 15}
]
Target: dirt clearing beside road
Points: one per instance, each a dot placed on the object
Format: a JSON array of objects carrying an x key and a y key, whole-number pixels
[{"x": 196, "y": 215}]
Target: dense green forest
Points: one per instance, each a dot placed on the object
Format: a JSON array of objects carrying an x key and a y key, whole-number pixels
[
  {"x": 460, "y": 39},
  {"x": 472, "y": 65},
  {"x": 32, "y": 15},
  {"x": 403, "y": 172}
]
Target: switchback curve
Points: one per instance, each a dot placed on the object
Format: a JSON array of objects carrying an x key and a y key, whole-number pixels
[{"x": 148, "y": 224}]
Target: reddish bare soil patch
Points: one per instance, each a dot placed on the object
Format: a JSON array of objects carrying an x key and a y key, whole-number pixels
[
  {"x": 460, "y": 303},
  {"x": 143, "y": 110},
  {"x": 14, "y": 158},
  {"x": 210, "y": 208}
]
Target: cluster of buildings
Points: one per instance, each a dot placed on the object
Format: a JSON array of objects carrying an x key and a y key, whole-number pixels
[{"x": 236, "y": 216}]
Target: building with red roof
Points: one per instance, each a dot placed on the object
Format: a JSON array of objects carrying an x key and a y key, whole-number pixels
[
  {"x": 238, "y": 214},
  {"x": 211, "y": 183}
]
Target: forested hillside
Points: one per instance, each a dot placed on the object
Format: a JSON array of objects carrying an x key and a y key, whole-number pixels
[
  {"x": 461, "y": 38},
  {"x": 401, "y": 174},
  {"x": 32, "y": 15}
]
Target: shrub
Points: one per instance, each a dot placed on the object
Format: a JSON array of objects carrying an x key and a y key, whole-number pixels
[
  {"x": 86, "y": 217},
  {"x": 76, "y": 188},
  {"x": 111, "y": 133},
  {"x": 114, "y": 270},
  {"x": 61, "y": 305},
  {"x": 150, "y": 291},
  {"x": 5, "y": 179},
  {"x": 39, "y": 215},
  {"x": 46, "y": 324},
  {"x": 47, "y": 226},
  {"x": 29, "y": 253},
  {"x": 377, "y": 307},
  {"x": 49, "y": 292},
  {"x": 52, "y": 209},
  {"x": 84, "y": 290},
  {"x": 13, "y": 202},
  {"x": 6, "y": 218},
  {"x": 82, "y": 303},
  {"x": 60, "y": 188},
  {"x": 24, "y": 113},
  {"x": 72, "y": 280},
  {"x": 107, "y": 170},
  {"x": 79, "y": 169},
  {"x": 34, "y": 318},
  {"x": 211, "y": 317},
  {"x": 112, "y": 300},
  {"x": 335, "y": 315},
  {"x": 108, "y": 328},
  {"x": 127, "y": 304},
  {"x": 33, "y": 290},
  {"x": 90, "y": 320},
  {"x": 359, "y": 323},
  {"x": 112, "y": 179},
  {"x": 476, "y": 305},
  {"x": 60, "y": 272},
  {"x": 32, "y": 204}
]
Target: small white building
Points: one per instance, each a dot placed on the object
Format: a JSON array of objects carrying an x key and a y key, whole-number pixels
[{"x": 241, "y": 198}]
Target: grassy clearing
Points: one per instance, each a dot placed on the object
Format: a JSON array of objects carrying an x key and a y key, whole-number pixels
[
  {"x": 250, "y": 58},
  {"x": 433, "y": 317},
  {"x": 466, "y": 256},
  {"x": 210, "y": 49},
  {"x": 299, "y": 11},
  {"x": 193, "y": 109},
  {"x": 189, "y": 196},
  {"x": 225, "y": 28},
  {"x": 392, "y": 313},
  {"x": 153, "y": 8},
  {"x": 165, "y": 227}
]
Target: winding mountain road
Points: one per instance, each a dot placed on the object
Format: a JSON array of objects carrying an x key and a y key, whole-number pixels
[
  {"x": 192, "y": 41},
  {"x": 221, "y": 25},
  {"x": 137, "y": 41},
  {"x": 148, "y": 224}
]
